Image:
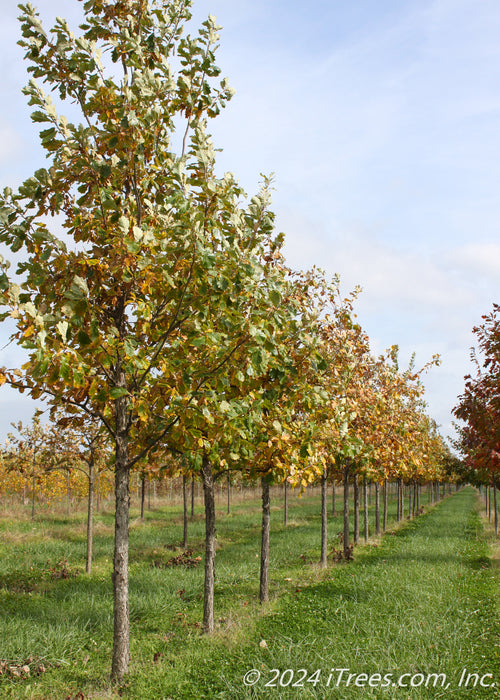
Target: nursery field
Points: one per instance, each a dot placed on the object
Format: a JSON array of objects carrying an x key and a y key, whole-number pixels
[{"x": 414, "y": 615}]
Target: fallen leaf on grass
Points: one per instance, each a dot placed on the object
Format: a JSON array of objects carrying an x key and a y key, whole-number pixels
[{"x": 184, "y": 559}]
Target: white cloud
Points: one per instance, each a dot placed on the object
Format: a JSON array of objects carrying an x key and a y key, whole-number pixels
[
  {"x": 390, "y": 276},
  {"x": 478, "y": 258},
  {"x": 381, "y": 123}
]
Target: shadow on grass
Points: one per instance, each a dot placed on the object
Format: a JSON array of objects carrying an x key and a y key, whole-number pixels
[{"x": 398, "y": 558}]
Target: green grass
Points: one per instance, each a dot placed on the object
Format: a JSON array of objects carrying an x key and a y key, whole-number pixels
[{"x": 423, "y": 600}]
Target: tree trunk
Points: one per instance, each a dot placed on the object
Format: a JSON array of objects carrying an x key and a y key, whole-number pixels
[
  {"x": 365, "y": 509},
  {"x": 386, "y": 505},
  {"x": 68, "y": 494},
  {"x": 33, "y": 491},
  {"x": 401, "y": 499},
  {"x": 324, "y": 518},
  {"x": 121, "y": 631},
  {"x": 377, "y": 508},
  {"x": 264, "y": 549},
  {"x": 208, "y": 591},
  {"x": 90, "y": 518},
  {"x": 346, "y": 510},
  {"x": 356, "y": 509},
  {"x": 143, "y": 495},
  {"x": 192, "y": 497},
  {"x": 185, "y": 512},
  {"x": 334, "y": 512},
  {"x": 495, "y": 504},
  {"x": 285, "y": 516},
  {"x": 97, "y": 494}
]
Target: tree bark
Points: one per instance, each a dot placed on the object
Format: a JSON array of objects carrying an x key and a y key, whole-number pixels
[
  {"x": 324, "y": 518},
  {"x": 97, "y": 494},
  {"x": 143, "y": 495},
  {"x": 377, "y": 508},
  {"x": 264, "y": 549},
  {"x": 356, "y": 509},
  {"x": 192, "y": 497},
  {"x": 185, "y": 512},
  {"x": 334, "y": 511},
  {"x": 33, "y": 491},
  {"x": 121, "y": 631},
  {"x": 67, "y": 493},
  {"x": 346, "y": 510},
  {"x": 495, "y": 504},
  {"x": 90, "y": 517},
  {"x": 386, "y": 504},
  {"x": 365, "y": 509},
  {"x": 209, "y": 585},
  {"x": 401, "y": 499}
]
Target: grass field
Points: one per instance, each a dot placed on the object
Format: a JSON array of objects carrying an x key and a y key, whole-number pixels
[{"x": 423, "y": 600}]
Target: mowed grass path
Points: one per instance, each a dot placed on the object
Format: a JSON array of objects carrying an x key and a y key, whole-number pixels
[{"x": 424, "y": 601}]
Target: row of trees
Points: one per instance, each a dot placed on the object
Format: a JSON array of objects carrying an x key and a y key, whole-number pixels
[
  {"x": 478, "y": 409},
  {"x": 161, "y": 324}
]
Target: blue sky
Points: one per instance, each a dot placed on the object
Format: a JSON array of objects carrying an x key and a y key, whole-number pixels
[{"x": 381, "y": 123}]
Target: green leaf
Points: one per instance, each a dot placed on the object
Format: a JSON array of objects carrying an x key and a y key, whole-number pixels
[
  {"x": 38, "y": 116},
  {"x": 117, "y": 392},
  {"x": 65, "y": 370},
  {"x": 41, "y": 368},
  {"x": 94, "y": 330},
  {"x": 84, "y": 338},
  {"x": 275, "y": 297}
]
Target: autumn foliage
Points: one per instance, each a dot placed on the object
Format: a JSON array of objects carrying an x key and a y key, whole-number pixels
[{"x": 164, "y": 315}]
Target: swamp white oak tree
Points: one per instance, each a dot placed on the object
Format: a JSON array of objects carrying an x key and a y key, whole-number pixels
[{"x": 153, "y": 285}]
